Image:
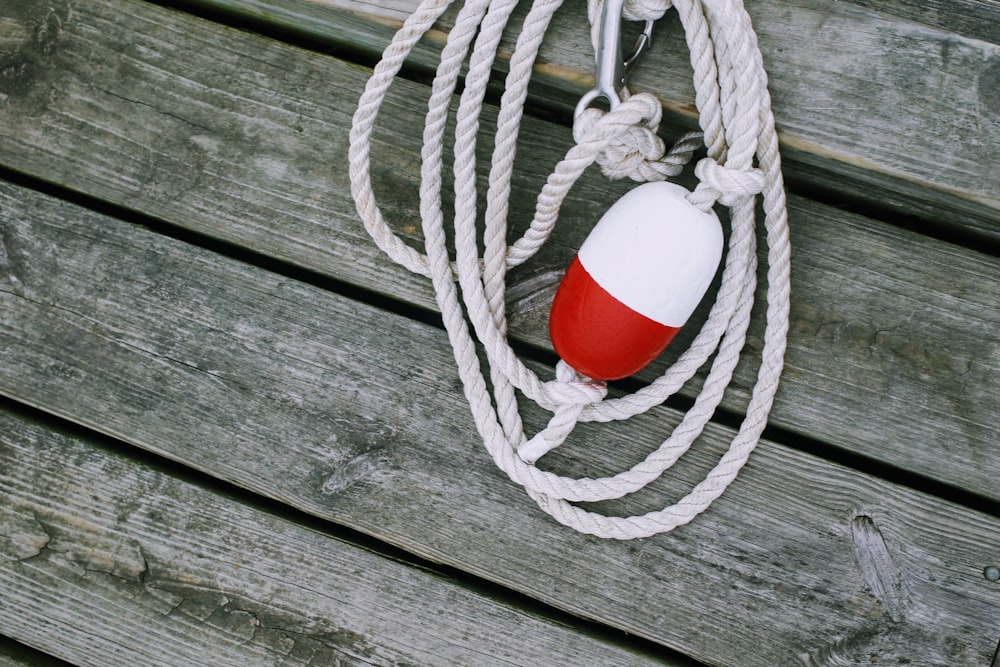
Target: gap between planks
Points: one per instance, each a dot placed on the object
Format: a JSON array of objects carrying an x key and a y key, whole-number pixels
[{"x": 16, "y": 654}]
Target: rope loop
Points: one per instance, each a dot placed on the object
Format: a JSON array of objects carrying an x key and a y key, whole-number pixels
[
  {"x": 641, "y": 110},
  {"x": 570, "y": 393},
  {"x": 572, "y": 388},
  {"x": 646, "y": 10},
  {"x": 634, "y": 10},
  {"x": 724, "y": 184},
  {"x": 632, "y": 149}
]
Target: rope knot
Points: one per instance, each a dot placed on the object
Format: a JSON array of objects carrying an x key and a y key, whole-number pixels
[
  {"x": 727, "y": 185},
  {"x": 632, "y": 147},
  {"x": 646, "y": 10},
  {"x": 570, "y": 392},
  {"x": 571, "y": 389}
]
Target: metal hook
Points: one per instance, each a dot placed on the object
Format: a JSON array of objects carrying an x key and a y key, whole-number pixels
[{"x": 612, "y": 67}]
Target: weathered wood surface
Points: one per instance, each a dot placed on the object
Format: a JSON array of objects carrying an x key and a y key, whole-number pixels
[
  {"x": 95, "y": 547},
  {"x": 352, "y": 414},
  {"x": 875, "y": 108},
  {"x": 971, "y": 18},
  {"x": 244, "y": 139}
]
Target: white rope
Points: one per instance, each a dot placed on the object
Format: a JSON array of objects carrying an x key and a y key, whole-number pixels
[{"x": 738, "y": 127}]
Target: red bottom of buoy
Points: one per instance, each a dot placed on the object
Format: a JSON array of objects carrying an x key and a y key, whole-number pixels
[{"x": 597, "y": 334}]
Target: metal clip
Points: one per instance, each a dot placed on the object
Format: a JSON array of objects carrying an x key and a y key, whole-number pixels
[{"x": 612, "y": 67}]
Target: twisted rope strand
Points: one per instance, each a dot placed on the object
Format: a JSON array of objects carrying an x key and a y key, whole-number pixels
[{"x": 737, "y": 127}]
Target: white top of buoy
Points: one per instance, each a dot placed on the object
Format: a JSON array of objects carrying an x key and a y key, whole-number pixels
[{"x": 655, "y": 252}]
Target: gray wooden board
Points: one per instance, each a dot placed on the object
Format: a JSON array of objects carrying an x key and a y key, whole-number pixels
[
  {"x": 894, "y": 336},
  {"x": 95, "y": 548},
  {"x": 864, "y": 100},
  {"x": 355, "y": 414},
  {"x": 979, "y": 19}
]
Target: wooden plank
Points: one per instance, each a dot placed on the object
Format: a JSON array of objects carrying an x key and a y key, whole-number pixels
[
  {"x": 96, "y": 547},
  {"x": 979, "y": 19},
  {"x": 250, "y": 150},
  {"x": 839, "y": 76},
  {"x": 354, "y": 414}
]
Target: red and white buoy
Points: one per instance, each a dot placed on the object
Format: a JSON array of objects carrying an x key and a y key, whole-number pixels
[{"x": 635, "y": 281}]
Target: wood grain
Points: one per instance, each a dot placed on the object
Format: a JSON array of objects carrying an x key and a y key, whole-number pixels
[
  {"x": 884, "y": 111},
  {"x": 354, "y": 414},
  {"x": 979, "y": 19},
  {"x": 894, "y": 335},
  {"x": 95, "y": 547}
]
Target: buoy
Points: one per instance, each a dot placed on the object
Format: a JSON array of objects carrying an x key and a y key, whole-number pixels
[{"x": 635, "y": 281}]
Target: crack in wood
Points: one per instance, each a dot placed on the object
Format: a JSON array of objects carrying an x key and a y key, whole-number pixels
[
  {"x": 327, "y": 644},
  {"x": 169, "y": 114},
  {"x": 165, "y": 359},
  {"x": 134, "y": 572},
  {"x": 35, "y": 544}
]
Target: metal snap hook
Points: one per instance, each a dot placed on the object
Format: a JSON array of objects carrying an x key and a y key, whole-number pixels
[{"x": 612, "y": 67}]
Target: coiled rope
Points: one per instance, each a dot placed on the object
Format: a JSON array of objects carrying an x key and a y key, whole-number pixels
[{"x": 737, "y": 126}]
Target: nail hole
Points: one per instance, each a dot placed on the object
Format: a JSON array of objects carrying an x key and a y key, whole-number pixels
[{"x": 992, "y": 573}]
